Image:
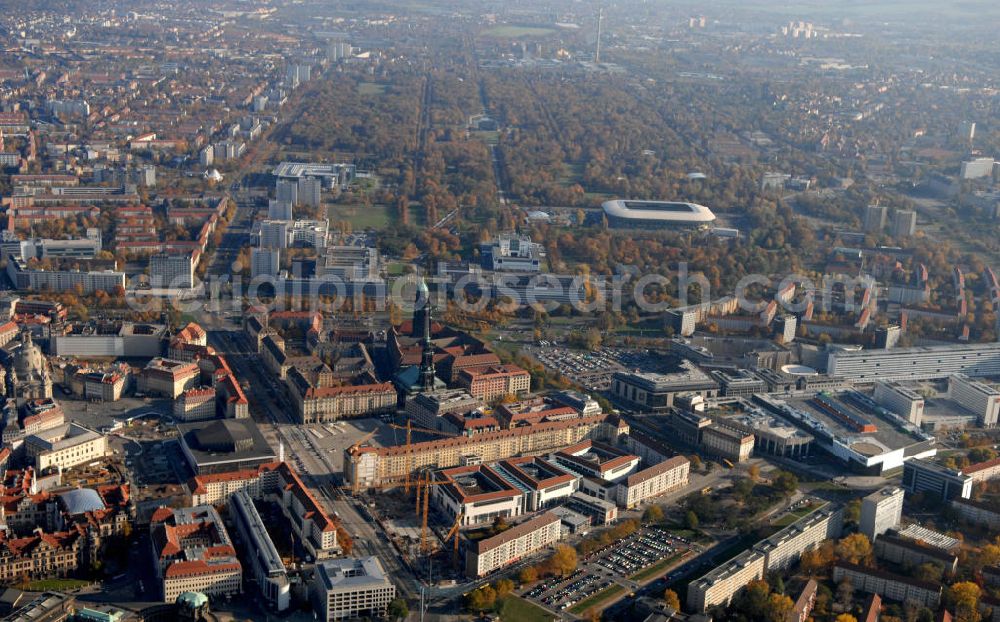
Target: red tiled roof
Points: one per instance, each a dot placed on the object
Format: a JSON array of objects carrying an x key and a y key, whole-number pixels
[
  {"x": 322, "y": 392},
  {"x": 198, "y": 567},
  {"x": 981, "y": 466}
]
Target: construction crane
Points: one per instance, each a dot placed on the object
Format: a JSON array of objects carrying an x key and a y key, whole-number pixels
[
  {"x": 409, "y": 441},
  {"x": 409, "y": 427},
  {"x": 424, "y": 482},
  {"x": 453, "y": 532}
]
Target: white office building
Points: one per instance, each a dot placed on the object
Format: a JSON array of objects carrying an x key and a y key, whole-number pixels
[
  {"x": 881, "y": 511},
  {"x": 901, "y": 400},
  {"x": 274, "y": 234},
  {"x": 264, "y": 262},
  {"x": 904, "y": 223},
  {"x": 977, "y": 168},
  {"x": 279, "y": 210},
  {"x": 206, "y": 157},
  {"x": 921, "y": 363},
  {"x": 351, "y": 588},
  {"x": 171, "y": 271},
  {"x": 513, "y": 253},
  {"x": 287, "y": 191},
  {"x": 310, "y": 191},
  {"x": 976, "y": 397},
  {"x": 267, "y": 569}
]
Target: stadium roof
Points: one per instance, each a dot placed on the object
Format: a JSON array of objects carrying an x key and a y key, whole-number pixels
[{"x": 663, "y": 211}]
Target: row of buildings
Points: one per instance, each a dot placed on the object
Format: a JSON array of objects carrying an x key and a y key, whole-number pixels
[{"x": 719, "y": 586}]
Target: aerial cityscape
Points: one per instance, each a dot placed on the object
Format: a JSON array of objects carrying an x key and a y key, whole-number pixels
[{"x": 454, "y": 310}]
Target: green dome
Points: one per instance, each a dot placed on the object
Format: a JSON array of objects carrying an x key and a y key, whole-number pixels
[{"x": 194, "y": 600}]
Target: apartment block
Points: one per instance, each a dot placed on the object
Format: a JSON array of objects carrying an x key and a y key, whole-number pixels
[
  {"x": 325, "y": 404},
  {"x": 786, "y": 547},
  {"x": 369, "y": 466},
  {"x": 911, "y": 553},
  {"x": 720, "y": 585},
  {"x": 486, "y": 555},
  {"x": 493, "y": 382},
  {"x": 887, "y": 585},
  {"x": 977, "y": 512},
  {"x": 667, "y": 476},
  {"x": 171, "y": 271},
  {"x": 778, "y": 552}
]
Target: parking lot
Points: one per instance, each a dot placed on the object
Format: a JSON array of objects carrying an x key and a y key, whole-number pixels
[
  {"x": 614, "y": 563},
  {"x": 593, "y": 370}
]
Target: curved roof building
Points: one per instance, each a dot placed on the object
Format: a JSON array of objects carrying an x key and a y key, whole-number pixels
[{"x": 657, "y": 214}]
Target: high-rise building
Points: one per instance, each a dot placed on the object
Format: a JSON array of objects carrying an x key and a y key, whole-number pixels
[
  {"x": 310, "y": 191},
  {"x": 279, "y": 210},
  {"x": 976, "y": 397},
  {"x": 887, "y": 337},
  {"x": 264, "y": 262},
  {"x": 904, "y": 223},
  {"x": 875, "y": 216},
  {"x": 287, "y": 190},
  {"x": 206, "y": 156},
  {"x": 967, "y": 131},
  {"x": 881, "y": 511},
  {"x": 977, "y": 168},
  {"x": 274, "y": 234},
  {"x": 171, "y": 271},
  {"x": 901, "y": 400}
]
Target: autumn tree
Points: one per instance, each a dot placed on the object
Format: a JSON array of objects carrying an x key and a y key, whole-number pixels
[
  {"x": 964, "y": 597},
  {"x": 653, "y": 514},
  {"x": 691, "y": 520},
  {"x": 563, "y": 561},
  {"x": 528, "y": 574},
  {"x": 482, "y": 599},
  {"x": 504, "y": 587},
  {"x": 671, "y": 599},
  {"x": 855, "y": 549}
]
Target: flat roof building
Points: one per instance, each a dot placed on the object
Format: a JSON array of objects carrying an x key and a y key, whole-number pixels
[
  {"x": 926, "y": 476},
  {"x": 224, "y": 445},
  {"x": 920, "y": 363},
  {"x": 542, "y": 482},
  {"x": 887, "y": 585},
  {"x": 65, "y": 446},
  {"x": 720, "y": 585},
  {"x": 978, "y": 398},
  {"x": 515, "y": 543},
  {"x": 267, "y": 569},
  {"x": 655, "y": 392},
  {"x": 477, "y": 493},
  {"x": 901, "y": 400},
  {"x": 881, "y": 511},
  {"x": 351, "y": 588}
]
